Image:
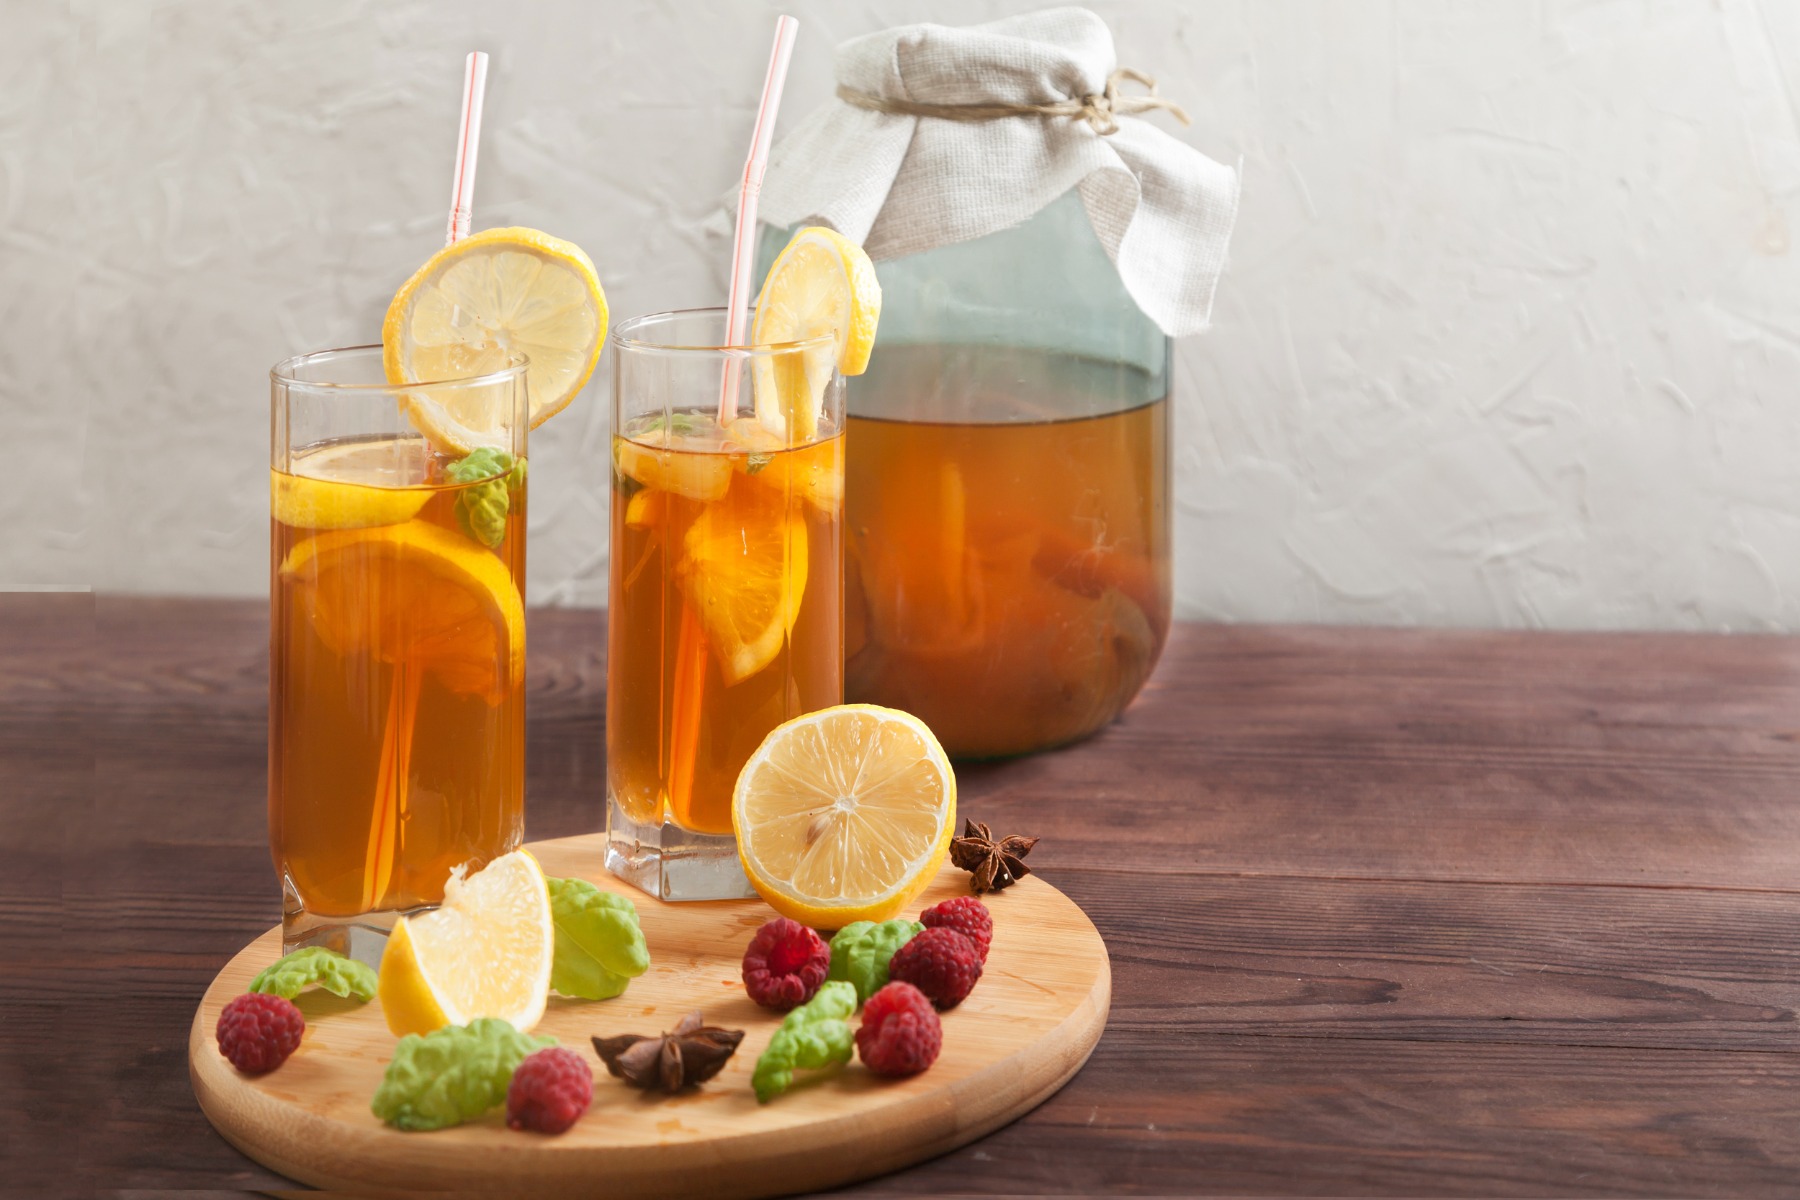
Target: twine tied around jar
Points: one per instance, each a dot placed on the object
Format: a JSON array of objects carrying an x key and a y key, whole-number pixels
[{"x": 1097, "y": 109}]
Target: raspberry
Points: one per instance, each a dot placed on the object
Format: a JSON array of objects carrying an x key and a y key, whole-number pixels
[
  {"x": 940, "y": 962},
  {"x": 257, "y": 1031},
  {"x": 900, "y": 1034},
  {"x": 965, "y": 914},
  {"x": 549, "y": 1091},
  {"x": 785, "y": 964}
]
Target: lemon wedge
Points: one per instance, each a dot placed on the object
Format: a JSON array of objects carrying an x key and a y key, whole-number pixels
[
  {"x": 476, "y": 304},
  {"x": 844, "y": 814},
  {"x": 486, "y": 952},
  {"x": 820, "y": 284}
]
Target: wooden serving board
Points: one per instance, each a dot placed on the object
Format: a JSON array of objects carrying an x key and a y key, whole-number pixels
[{"x": 1025, "y": 1030}]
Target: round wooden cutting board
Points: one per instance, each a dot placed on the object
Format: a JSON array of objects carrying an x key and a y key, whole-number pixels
[{"x": 1024, "y": 1032}]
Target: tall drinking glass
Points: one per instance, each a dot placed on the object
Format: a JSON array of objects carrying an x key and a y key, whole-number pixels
[
  {"x": 396, "y": 641},
  {"x": 726, "y": 600}
]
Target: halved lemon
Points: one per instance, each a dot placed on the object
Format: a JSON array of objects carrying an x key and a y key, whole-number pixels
[
  {"x": 415, "y": 592},
  {"x": 485, "y": 952},
  {"x": 844, "y": 814},
  {"x": 322, "y": 491},
  {"x": 743, "y": 568},
  {"x": 476, "y": 304},
  {"x": 820, "y": 284}
]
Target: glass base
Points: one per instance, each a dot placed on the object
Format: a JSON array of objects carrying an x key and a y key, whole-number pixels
[
  {"x": 672, "y": 863},
  {"x": 362, "y": 937}
]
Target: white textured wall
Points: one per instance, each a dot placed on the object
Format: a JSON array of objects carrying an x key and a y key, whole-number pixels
[{"x": 1511, "y": 334}]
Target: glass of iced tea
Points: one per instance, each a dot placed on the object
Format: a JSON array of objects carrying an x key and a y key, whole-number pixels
[
  {"x": 397, "y": 642},
  {"x": 725, "y": 615}
]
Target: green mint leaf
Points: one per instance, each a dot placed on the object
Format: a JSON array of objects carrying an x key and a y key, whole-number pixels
[
  {"x": 453, "y": 1074},
  {"x": 861, "y": 951},
  {"x": 483, "y": 463},
  {"x": 757, "y": 462},
  {"x": 814, "y": 1036},
  {"x": 481, "y": 510},
  {"x": 599, "y": 947},
  {"x": 291, "y": 974}
]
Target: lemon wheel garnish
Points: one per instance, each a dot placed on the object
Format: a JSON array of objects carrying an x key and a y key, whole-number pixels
[
  {"x": 475, "y": 305},
  {"x": 485, "y": 952},
  {"x": 844, "y": 814},
  {"x": 743, "y": 567},
  {"x": 820, "y": 284}
]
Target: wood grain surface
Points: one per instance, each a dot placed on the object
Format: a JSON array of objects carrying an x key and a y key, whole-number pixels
[
  {"x": 1027, "y": 1027},
  {"x": 1390, "y": 912}
]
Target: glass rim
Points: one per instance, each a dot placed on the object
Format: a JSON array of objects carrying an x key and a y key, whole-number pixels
[
  {"x": 622, "y": 337},
  {"x": 285, "y": 374}
]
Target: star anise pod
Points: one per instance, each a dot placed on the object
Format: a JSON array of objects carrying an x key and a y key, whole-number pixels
[
  {"x": 995, "y": 862},
  {"x": 689, "y": 1054}
]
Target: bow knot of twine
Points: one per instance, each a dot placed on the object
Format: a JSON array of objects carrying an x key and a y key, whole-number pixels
[{"x": 1098, "y": 109}]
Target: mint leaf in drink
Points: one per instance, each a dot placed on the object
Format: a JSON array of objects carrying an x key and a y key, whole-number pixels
[
  {"x": 481, "y": 511},
  {"x": 757, "y": 462},
  {"x": 291, "y": 974}
]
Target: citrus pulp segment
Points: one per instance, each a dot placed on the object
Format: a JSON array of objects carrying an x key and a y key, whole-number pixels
[{"x": 844, "y": 814}]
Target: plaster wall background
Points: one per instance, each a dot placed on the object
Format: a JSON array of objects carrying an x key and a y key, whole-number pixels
[{"x": 1510, "y": 335}]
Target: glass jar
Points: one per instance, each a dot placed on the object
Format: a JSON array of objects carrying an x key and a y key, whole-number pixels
[{"x": 1007, "y": 572}]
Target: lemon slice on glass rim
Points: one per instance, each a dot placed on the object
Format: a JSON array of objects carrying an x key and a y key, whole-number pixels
[
  {"x": 821, "y": 284},
  {"x": 473, "y": 308},
  {"x": 844, "y": 814}
]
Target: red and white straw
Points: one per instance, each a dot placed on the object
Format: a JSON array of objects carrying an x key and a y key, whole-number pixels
[
  {"x": 743, "y": 246},
  {"x": 468, "y": 142}
]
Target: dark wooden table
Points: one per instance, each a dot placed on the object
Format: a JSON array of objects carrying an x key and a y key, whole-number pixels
[{"x": 1390, "y": 912}]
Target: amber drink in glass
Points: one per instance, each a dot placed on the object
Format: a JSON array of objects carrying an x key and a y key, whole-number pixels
[
  {"x": 725, "y": 615},
  {"x": 396, "y": 716}
]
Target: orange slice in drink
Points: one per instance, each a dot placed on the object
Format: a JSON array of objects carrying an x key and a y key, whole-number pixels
[
  {"x": 815, "y": 473},
  {"x": 417, "y": 593},
  {"x": 743, "y": 568}
]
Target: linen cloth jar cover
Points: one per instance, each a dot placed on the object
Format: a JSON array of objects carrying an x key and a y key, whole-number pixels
[{"x": 1038, "y": 243}]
